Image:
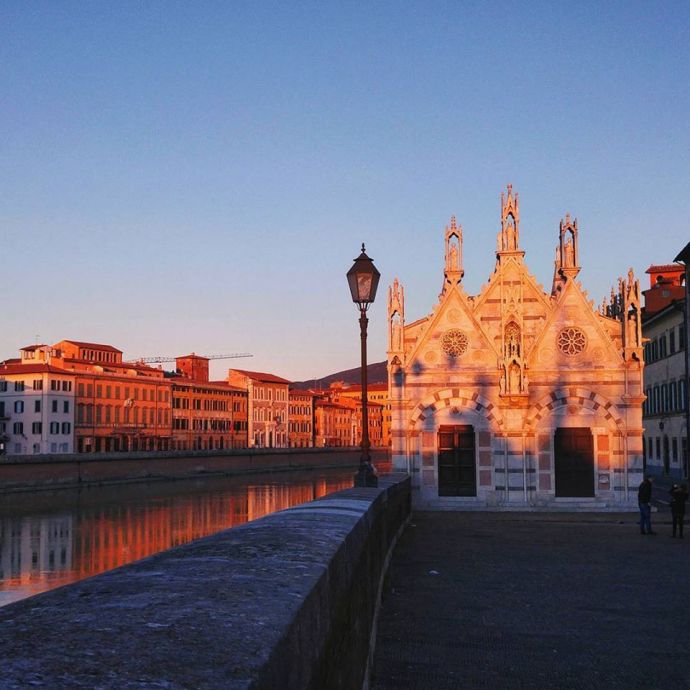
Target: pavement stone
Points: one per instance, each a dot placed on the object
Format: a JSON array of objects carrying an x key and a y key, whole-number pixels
[{"x": 531, "y": 601}]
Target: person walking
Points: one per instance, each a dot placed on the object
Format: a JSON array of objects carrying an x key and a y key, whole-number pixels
[
  {"x": 679, "y": 497},
  {"x": 644, "y": 496}
]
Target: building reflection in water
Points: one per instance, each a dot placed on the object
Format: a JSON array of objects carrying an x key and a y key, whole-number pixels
[{"x": 98, "y": 532}]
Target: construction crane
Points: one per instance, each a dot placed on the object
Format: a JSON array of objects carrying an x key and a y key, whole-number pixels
[{"x": 158, "y": 360}]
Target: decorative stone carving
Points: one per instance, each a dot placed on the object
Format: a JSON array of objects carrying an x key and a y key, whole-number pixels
[
  {"x": 572, "y": 341},
  {"x": 454, "y": 342}
]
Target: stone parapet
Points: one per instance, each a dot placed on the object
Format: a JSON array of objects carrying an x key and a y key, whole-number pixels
[
  {"x": 287, "y": 601},
  {"x": 21, "y": 473}
]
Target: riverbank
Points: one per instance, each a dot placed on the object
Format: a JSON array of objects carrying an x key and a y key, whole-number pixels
[{"x": 36, "y": 472}]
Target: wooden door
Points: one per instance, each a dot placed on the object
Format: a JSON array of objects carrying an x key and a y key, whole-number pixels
[
  {"x": 574, "y": 462},
  {"x": 457, "y": 474}
]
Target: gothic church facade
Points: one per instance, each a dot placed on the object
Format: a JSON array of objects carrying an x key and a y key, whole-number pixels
[{"x": 516, "y": 397}]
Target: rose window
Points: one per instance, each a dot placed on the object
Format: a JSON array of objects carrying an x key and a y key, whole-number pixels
[
  {"x": 454, "y": 342},
  {"x": 571, "y": 341}
]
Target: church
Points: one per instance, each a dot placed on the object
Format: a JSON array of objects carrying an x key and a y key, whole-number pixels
[{"x": 517, "y": 397}]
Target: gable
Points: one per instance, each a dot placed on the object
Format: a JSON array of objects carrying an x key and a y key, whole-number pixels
[
  {"x": 452, "y": 315},
  {"x": 573, "y": 337}
]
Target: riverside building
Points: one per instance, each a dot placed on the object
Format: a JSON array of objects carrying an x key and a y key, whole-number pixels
[
  {"x": 207, "y": 415},
  {"x": 665, "y": 383},
  {"x": 267, "y": 407},
  {"x": 301, "y": 418},
  {"x": 517, "y": 396},
  {"x": 37, "y": 404}
]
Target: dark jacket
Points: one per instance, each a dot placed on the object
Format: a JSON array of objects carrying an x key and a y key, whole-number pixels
[
  {"x": 678, "y": 500},
  {"x": 644, "y": 493}
]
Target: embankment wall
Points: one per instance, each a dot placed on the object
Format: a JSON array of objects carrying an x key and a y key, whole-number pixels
[{"x": 31, "y": 472}]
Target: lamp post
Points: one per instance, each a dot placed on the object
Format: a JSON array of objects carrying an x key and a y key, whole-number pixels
[
  {"x": 684, "y": 257},
  {"x": 363, "y": 279}
]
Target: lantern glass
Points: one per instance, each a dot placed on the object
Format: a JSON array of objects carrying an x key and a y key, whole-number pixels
[{"x": 363, "y": 278}]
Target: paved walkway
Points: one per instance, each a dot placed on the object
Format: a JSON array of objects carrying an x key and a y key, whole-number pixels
[{"x": 558, "y": 601}]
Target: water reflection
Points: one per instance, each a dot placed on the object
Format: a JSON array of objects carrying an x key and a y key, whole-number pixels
[{"x": 48, "y": 540}]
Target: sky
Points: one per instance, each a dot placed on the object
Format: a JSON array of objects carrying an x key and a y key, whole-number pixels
[{"x": 183, "y": 177}]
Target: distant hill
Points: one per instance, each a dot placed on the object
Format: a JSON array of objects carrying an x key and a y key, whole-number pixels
[{"x": 377, "y": 373}]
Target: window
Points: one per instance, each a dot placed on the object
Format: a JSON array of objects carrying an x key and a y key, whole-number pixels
[
  {"x": 55, "y": 427},
  {"x": 53, "y": 447},
  {"x": 662, "y": 346},
  {"x": 19, "y": 385},
  {"x": 672, "y": 341},
  {"x": 658, "y": 447},
  {"x": 108, "y": 390},
  {"x": 80, "y": 390},
  {"x": 3, "y": 386},
  {"x": 37, "y": 428},
  {"x": 89, "y": 390},
  {"x": 37, "y": 384},
  {"x": 681, "y": 339},
  {"x": 673, "y": 394},
  {"x": 65, "y": 406},
  {"x": 66, "y": 385},
  {"x": 682, "y": 393},
  {"x": 18, "y": 427},
  {"x": 66, "y": 428},
  {"x": 664, "y": 397},
  {"x": 18, "y": 406},
  {"x": 99, "y": 391},
  {"x": 37, "y": 405},
  {"x": 674, "y": 445},
  {"x": 54, "y": 406}
]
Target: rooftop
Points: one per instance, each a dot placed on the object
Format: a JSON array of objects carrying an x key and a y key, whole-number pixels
[
  {"x": 93, "y": 346},
  {"x": 261, "y": 376}
]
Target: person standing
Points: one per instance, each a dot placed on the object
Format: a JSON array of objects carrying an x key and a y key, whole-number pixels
[
  {"x": 679, "y": 497},
  {"x": 644, "y": 497}
]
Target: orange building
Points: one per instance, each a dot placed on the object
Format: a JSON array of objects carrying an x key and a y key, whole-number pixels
[
  {"x": 338, "y": 419},
  {"x": 267, "y": 407},
  {"x": 301, "y": 418},
  {"x": 120, "y": 406},
  {"x": 335, "y": 423},
  {"x": 207, "y": 415},
  {"x": 376, "y": 393}
]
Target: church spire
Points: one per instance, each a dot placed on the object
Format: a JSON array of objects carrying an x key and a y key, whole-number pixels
[
  {"x": 567, "y": 254},
  {"x": 508, "y": 240},
  {"x": 396, "y": 321},
  {"x": 453, "y": 271}
]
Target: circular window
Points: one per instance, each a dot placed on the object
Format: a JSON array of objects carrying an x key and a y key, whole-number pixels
[
  {"x": 572, "y": 341},
  {"x": 454, "y": 342}
]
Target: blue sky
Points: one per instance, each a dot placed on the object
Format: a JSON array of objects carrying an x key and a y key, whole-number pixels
[{"x": 199, "y": 176}]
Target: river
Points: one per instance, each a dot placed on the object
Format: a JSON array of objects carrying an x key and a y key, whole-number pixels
[{"x": 51, "y": 538}]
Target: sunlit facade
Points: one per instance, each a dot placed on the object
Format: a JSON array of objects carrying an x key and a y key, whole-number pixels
[
  {"x": 267, "y": 407},
  {"x": 518, "y": 396}
]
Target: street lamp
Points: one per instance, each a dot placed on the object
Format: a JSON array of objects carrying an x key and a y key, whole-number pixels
[{"x": 363, "y": 279}]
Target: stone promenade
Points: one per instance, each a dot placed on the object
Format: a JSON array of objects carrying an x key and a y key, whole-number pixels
[{"x": 501, "y": 600}]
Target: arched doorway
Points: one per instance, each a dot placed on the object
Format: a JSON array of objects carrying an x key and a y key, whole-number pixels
[
  {"x": 457, "y": 474},
  {"x": 574, "y": 462}
]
